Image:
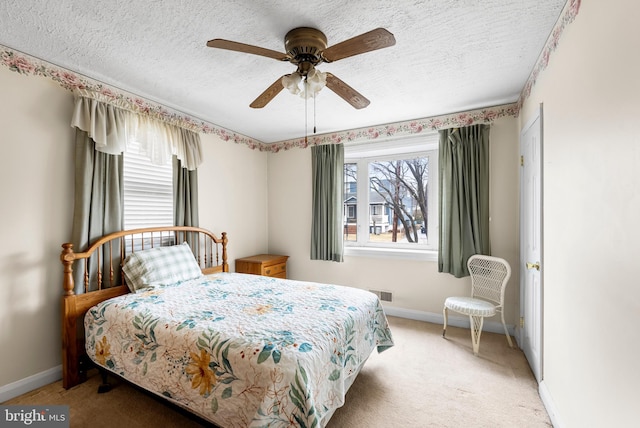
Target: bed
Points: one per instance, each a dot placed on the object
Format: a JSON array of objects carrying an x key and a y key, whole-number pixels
[{"x": 159, "y": 308}]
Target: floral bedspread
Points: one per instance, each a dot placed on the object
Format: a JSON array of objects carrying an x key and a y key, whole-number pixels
[{"x": 242, "y": 350}]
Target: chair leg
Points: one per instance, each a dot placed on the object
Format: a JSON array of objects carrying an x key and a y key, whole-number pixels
[
  {"x": 445, "y": 314},
  {"x": 506, "y": 331},
  {"x": 476, "y": 331}
]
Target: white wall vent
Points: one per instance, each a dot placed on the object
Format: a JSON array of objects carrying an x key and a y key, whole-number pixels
[{"x": 385, "y": 296}]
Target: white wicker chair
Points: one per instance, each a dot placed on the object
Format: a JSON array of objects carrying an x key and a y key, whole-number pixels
[{"x": 489, "y": 277}]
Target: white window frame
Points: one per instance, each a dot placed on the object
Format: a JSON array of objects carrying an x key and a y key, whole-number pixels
[{"x": 362, "y": 154}]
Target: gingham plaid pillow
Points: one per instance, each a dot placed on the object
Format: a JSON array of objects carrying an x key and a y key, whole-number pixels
[{"x": 160, "y": 266}]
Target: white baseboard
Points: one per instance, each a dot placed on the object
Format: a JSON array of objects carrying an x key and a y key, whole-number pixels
[
  {"x": 454, "y": 321},
  {"x": 549, "y": 405},
  {"x": 22, "y": 386}
]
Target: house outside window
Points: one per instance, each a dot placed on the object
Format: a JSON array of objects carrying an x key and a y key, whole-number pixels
[
  {"x": 350, "y": 203},
  {"x": 395, "y": 197}
]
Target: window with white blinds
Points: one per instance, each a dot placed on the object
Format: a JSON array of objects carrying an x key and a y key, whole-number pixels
[{"x": 148, "y": 191}]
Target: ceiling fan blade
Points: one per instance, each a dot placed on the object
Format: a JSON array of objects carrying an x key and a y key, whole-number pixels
[
  {"x": 346, "y": 92},
  {"x": 241, "y": 47},
  {"x": 269, "y": 94},
  {"x": 367, "y": 42}
]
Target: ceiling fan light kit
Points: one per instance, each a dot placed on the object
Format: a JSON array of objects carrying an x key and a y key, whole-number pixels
[
  {"x": 292, "y": 82},
  {"x": 306, "y": 48},
  {"x": 313, "y": 82}
]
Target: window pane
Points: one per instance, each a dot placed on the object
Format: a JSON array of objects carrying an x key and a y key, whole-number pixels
[
  {"x": 397, "y": 183},
  {"x": 148, "y": 191},
  {"x": 398, "y": 200},
  {"x": 350, "y": 202}
]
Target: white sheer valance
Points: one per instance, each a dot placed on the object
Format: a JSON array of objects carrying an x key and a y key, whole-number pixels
[{"x": 112, "y": 127}]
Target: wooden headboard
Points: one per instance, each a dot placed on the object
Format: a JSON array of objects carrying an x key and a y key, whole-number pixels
[{"x": 99, "y": 273}]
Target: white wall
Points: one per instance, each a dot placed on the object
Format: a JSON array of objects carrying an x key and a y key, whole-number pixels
[
  {"x": 232, "y": 185},
  {"x": 36, "y": 189},
  {"x": 591, "y": 97},
  {"x": 417, "y": 285}
]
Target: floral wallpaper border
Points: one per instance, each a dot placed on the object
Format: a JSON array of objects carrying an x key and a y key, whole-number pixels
[
  {"x": 399, "y": 129},
  {"x": 28, "y": 65},
  {"x": 568, "y": 15}
]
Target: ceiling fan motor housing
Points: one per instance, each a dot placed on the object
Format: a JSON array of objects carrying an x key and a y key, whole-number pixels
[{"x": 305, "y": 44}]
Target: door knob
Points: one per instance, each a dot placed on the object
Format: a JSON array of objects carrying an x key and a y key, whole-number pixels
[{"x": 535, "y": 265}]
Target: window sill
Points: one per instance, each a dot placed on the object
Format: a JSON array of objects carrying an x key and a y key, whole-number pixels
[{"x": 392, "y": 253}]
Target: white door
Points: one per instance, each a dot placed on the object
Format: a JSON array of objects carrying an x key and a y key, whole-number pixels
[{"x": 530, "y": 336}]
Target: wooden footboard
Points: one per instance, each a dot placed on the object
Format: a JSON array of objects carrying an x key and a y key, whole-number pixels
[{"x": 95, "y": 275}]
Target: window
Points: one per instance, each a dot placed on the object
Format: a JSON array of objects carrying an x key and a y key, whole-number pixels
[
  {"x": 390, "y": 199},
  {"x": 148, "y": 191}
]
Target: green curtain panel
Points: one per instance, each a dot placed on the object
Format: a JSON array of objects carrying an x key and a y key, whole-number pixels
[
  {"x": 463, "y": 197},
  {"x": 185, "y": 202},
  {"x": 98, "y": 202},
  {"x": 327, "y": 164},
  {"x": 185, "y": 183}
]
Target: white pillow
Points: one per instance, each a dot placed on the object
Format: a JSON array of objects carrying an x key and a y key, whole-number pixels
[{"x": 160, "y": 266}]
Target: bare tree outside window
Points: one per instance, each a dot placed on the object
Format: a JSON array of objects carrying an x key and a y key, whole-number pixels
[
  {"x": 395, "y": 207},
  {"x": 402, "y": 185}
]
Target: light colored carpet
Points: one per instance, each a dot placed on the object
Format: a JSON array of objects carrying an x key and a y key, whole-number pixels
[{"x": 423, "y": 381}]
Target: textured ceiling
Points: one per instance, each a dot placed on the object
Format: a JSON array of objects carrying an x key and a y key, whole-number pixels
[{"x": 450, "y": 55}]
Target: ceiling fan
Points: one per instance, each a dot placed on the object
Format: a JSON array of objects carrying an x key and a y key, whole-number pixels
[{"x": 306, "y": 48}]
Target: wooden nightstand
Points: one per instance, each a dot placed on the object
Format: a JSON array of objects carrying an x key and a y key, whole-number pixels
[{"x": 263, "y": 264}]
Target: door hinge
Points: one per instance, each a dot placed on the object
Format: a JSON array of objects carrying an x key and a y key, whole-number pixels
[
  {"x": 521, "y": 322},
  {"x": 521, "y": 160}
]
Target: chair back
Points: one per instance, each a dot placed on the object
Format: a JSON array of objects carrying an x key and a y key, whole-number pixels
[{"x": 489, "y": 277}]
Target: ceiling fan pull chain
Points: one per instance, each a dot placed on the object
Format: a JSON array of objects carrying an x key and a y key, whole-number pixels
[
  {"x": 314, "y": 113},
  {"x": 306, "y": 102}
]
